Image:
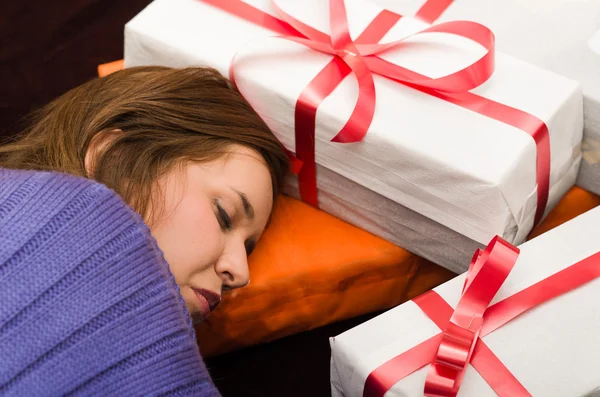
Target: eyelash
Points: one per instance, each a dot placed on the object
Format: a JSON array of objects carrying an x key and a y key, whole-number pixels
[{"x": 224, "y": 218}]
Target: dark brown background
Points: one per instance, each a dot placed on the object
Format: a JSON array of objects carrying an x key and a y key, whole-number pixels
[{"x": 48, "y": 47}]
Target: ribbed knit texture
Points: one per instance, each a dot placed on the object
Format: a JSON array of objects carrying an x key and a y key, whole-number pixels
[{"x": 88, "y": 305}]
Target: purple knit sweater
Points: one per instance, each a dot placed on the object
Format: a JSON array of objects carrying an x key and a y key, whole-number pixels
[{"x": 88, "y": 305}]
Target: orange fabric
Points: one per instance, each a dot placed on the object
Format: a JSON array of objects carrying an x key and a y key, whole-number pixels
[
  {"x": 111, "y": 67},
  {"x": 574, "y": 203},
  {"x": 312, "y": 269}
]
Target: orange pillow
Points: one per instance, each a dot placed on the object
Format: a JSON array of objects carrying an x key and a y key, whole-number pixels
[{"x": 311, "y": 269}]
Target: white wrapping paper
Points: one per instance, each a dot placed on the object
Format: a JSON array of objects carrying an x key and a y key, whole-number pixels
[
  {"x": 552, "y": 350},
  {"x": 463, "y": 171},
  {"x": 528, "y": 31}
]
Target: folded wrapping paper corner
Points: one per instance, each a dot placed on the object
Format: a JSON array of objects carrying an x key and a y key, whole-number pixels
[
  {"x": 550, "y": 350},
  {"x": 591, "y": 150}
]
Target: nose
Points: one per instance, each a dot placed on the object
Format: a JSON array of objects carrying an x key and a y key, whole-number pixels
[{"x": 232, "y": 266}]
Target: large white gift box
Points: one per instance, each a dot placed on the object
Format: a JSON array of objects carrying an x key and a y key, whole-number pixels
[
  {"x": 552, "y": 349},
  {"x": 430, "y": 176},
  {"x": 559, "y": 35}
]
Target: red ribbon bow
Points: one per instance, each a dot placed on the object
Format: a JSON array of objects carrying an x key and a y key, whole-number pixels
[
  {"x": 360, "y": 58},
  {"x": 460, "y": 344},
  {"x": 485, "y": 276}
]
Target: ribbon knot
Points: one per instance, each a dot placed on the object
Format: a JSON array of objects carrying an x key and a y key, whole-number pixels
[
  {"x": 486, "y": 274},
  {"x": 364, "y": 62},
  {"x": 346, "y": 52},
  {"x": 451, "y": 360},
  {"x": 455, "y": 347}
]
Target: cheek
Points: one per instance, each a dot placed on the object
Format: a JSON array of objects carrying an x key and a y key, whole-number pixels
[{"x": 190, "y": 238}]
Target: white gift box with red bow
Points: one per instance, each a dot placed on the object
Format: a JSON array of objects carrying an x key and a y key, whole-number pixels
[
  {"x": 430, "y": 176},
  {"x": 552, "y": 350}
]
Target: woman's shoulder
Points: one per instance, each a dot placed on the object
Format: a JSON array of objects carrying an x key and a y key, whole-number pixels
[
  {"x": 29, "y": 183},
  {"x": 62, "y": 222},
  {"x": 55, "y": 215},
  {"x": 62, "y": 207},
  {"x": 34, "y": 198},
  {"x": 25, "y": 191},
  {"x": 80, "y": 266}
]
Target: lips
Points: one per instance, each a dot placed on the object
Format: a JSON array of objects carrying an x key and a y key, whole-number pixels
[{"x": 208, "y": 300}]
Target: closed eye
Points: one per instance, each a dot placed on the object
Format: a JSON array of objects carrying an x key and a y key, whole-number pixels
[{"x": 223, "y": 217}]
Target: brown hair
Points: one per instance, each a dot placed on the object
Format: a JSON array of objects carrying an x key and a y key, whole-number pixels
[{"x": 166, "y": 116}]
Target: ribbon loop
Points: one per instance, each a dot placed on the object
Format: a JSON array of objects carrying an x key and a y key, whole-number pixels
[
  {"x": 455, "y": 346},
  {"x": 486, "y": 274},
  {"x": 343, "y": 53}
]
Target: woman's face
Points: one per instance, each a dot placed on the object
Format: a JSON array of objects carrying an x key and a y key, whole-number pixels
[{"x": 209, "y": 220}]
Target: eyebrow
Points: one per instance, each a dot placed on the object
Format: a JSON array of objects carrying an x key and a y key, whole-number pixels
[{"x": 248, "y": 208}]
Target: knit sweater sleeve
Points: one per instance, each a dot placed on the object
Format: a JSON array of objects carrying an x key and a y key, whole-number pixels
[{"x": 88, "y": 305}]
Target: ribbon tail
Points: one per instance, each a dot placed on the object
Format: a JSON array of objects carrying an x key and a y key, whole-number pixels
[
  {"x": 556, "y": 285},
  {"x": 518, "y": 119},
  {"x": 391, "y": 372},
  {"x": 378, "y": 27},
  {"x": 463, "y": 80},
  {"x": 541, "y": 136},
  {"x": 295, "y": 162},
  {"x": 493, "y": 371},
  {"x": 432, "y": 10},
  {"x": 305, "y": 123},
  {"x": 435, "y": 307},
  {"x": 358, "y": 124}
]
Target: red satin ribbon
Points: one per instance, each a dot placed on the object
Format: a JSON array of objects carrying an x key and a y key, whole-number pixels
[
  {"x": 432, "y": 10},
  {"x": 460, "y": 344},
  {"x": 462, "y": 331},
  {"x": 360, "y": 58}
]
